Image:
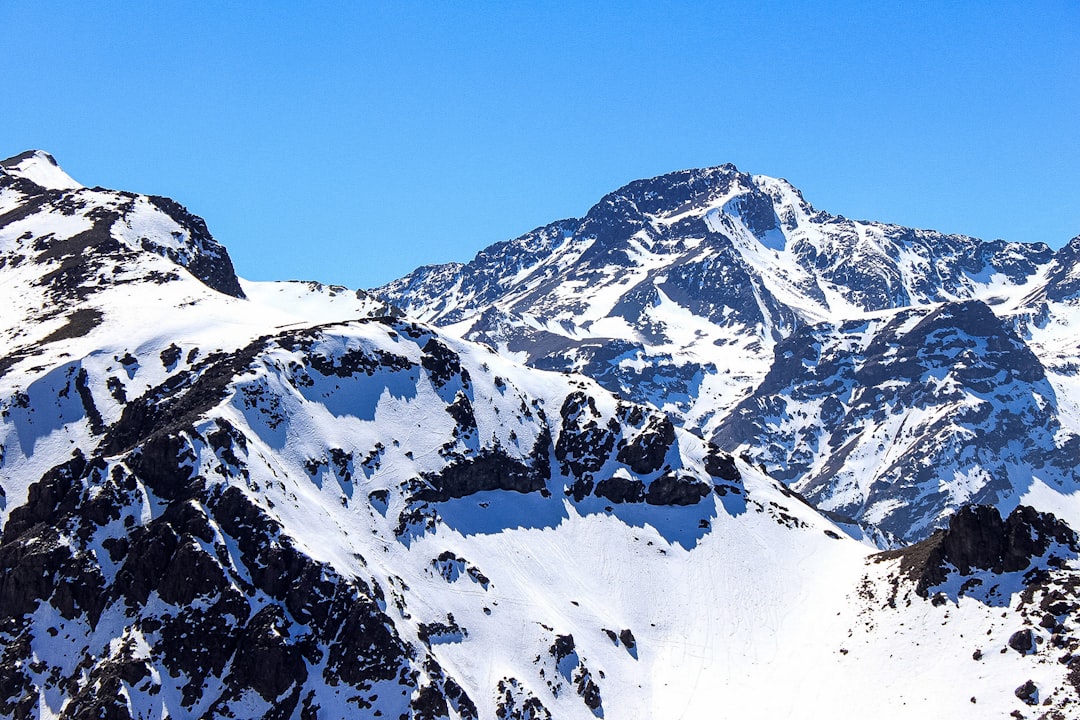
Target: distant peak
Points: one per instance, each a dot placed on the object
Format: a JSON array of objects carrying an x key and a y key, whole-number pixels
[
  {"x": 14, "y": 161},
  {"x": 40, "y": 168}
]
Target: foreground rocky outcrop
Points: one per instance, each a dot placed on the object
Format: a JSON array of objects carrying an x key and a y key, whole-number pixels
[{"x": 978, "y": 539}]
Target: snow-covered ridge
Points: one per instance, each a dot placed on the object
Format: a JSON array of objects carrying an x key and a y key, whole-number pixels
[{"x": 40, "y": 168}]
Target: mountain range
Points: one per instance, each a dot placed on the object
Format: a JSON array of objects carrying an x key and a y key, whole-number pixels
[
  {"x": 705, "y": 453},
  {"x": 890, "y": 375}
]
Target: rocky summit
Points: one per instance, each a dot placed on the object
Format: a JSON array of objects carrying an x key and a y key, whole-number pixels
[
  {"x": 642, "y": 464},
  {"x": 890, "y": 375}
]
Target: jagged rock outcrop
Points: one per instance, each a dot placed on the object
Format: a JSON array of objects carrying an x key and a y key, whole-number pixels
[
  {"x": 117, "y": 225},
  {"x": 977, "y": 538}
]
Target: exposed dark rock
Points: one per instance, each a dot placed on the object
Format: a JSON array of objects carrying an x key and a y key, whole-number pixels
[
  {"x": 343, "y": 463},
  {"x": 460, "y": 701},
  {"x": 1028, "y": 693},
  {"x": 587, "y": 689},
  {"x": 451, "y": 567},
  {"x": 448, "y": 631},
  {"x": 978, "y": 539},
  {"x": 672, "y": 489},
  {"x": 29, "y": 566},
  {"x": 462, "y": 412},
  {"x": 71, "y": 264},
  {"x": 190, "y": 573},
  {"x": 116, "y": 389},
  {"x": 580, "y": 488},
  {"x": 78, "y": 323},
  {"x": 367, "y": 646},
  {"x": 1063, "y": 281},
  {"x": 48, "y": 499},
  {"x": 356, "y": 361},
  {"x": 170, "y": 356},
  {"x": 97, "y": 426},
  {"x": 584, "y": 446},
  {"x": 165, "y": 464},
  {"x": 646, "y": 452},
  {"x": 514, "y": 701},
  {"x": 226, "y": 441},
  {"x": 208, "y": 260},
  {"x": 176, "y": 404},
  {"x": 1023, "y": 641},
  {"x": 490, "y": 470},
  {"x": 265, "y": 658},
  {"x": 430, "y": 704},
  {"x": 150, "y": 549},
  {"x": 17, "y": 692},
  {"x": 562, "y": 647},
  {"x": 621, "y": 490},
  {"x": 441, "y": 363},
  {"x": 721, "y": 465},
  {"x": 101, "y": 698}
]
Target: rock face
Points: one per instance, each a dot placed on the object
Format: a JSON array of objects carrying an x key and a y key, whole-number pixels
[
  {"x": 1063, "y": 283},
  {"x": 890, "y": 375},
  {"x": 900, "y": 422},
  {"x": 116, "y": 226},
  {"x": 977, "y": 539},
  {"x": 156, "y": 576}
]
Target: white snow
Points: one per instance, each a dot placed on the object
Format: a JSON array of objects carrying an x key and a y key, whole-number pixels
[{"x": 41, "y": 168}]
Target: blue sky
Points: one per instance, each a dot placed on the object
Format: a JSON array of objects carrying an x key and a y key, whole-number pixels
[{"x": 351, "y": 142}]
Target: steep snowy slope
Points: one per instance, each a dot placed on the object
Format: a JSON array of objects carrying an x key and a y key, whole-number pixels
[
  {"x": 39, "y": 168},
  {"x": 297, "y": 504},
  {"x": 1048, "y": 317},
  {"x": 709, "y": 290}
]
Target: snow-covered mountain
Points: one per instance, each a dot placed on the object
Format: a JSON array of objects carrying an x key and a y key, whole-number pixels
[
  {"x": 890, "y": 374},
  {"x": 287, "y": 500}
]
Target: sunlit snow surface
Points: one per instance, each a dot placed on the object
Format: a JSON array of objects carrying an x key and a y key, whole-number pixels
[{"x": 40, "y": 168}]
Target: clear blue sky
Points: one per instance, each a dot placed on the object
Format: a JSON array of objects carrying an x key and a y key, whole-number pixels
[{"x": 350, "y": 142}]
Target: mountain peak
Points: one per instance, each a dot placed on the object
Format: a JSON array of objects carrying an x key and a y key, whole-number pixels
[
  {"x": 40, "y": 168},
  {"x": 103, "y": 234},
  {"x": 674, "y": 190}
]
